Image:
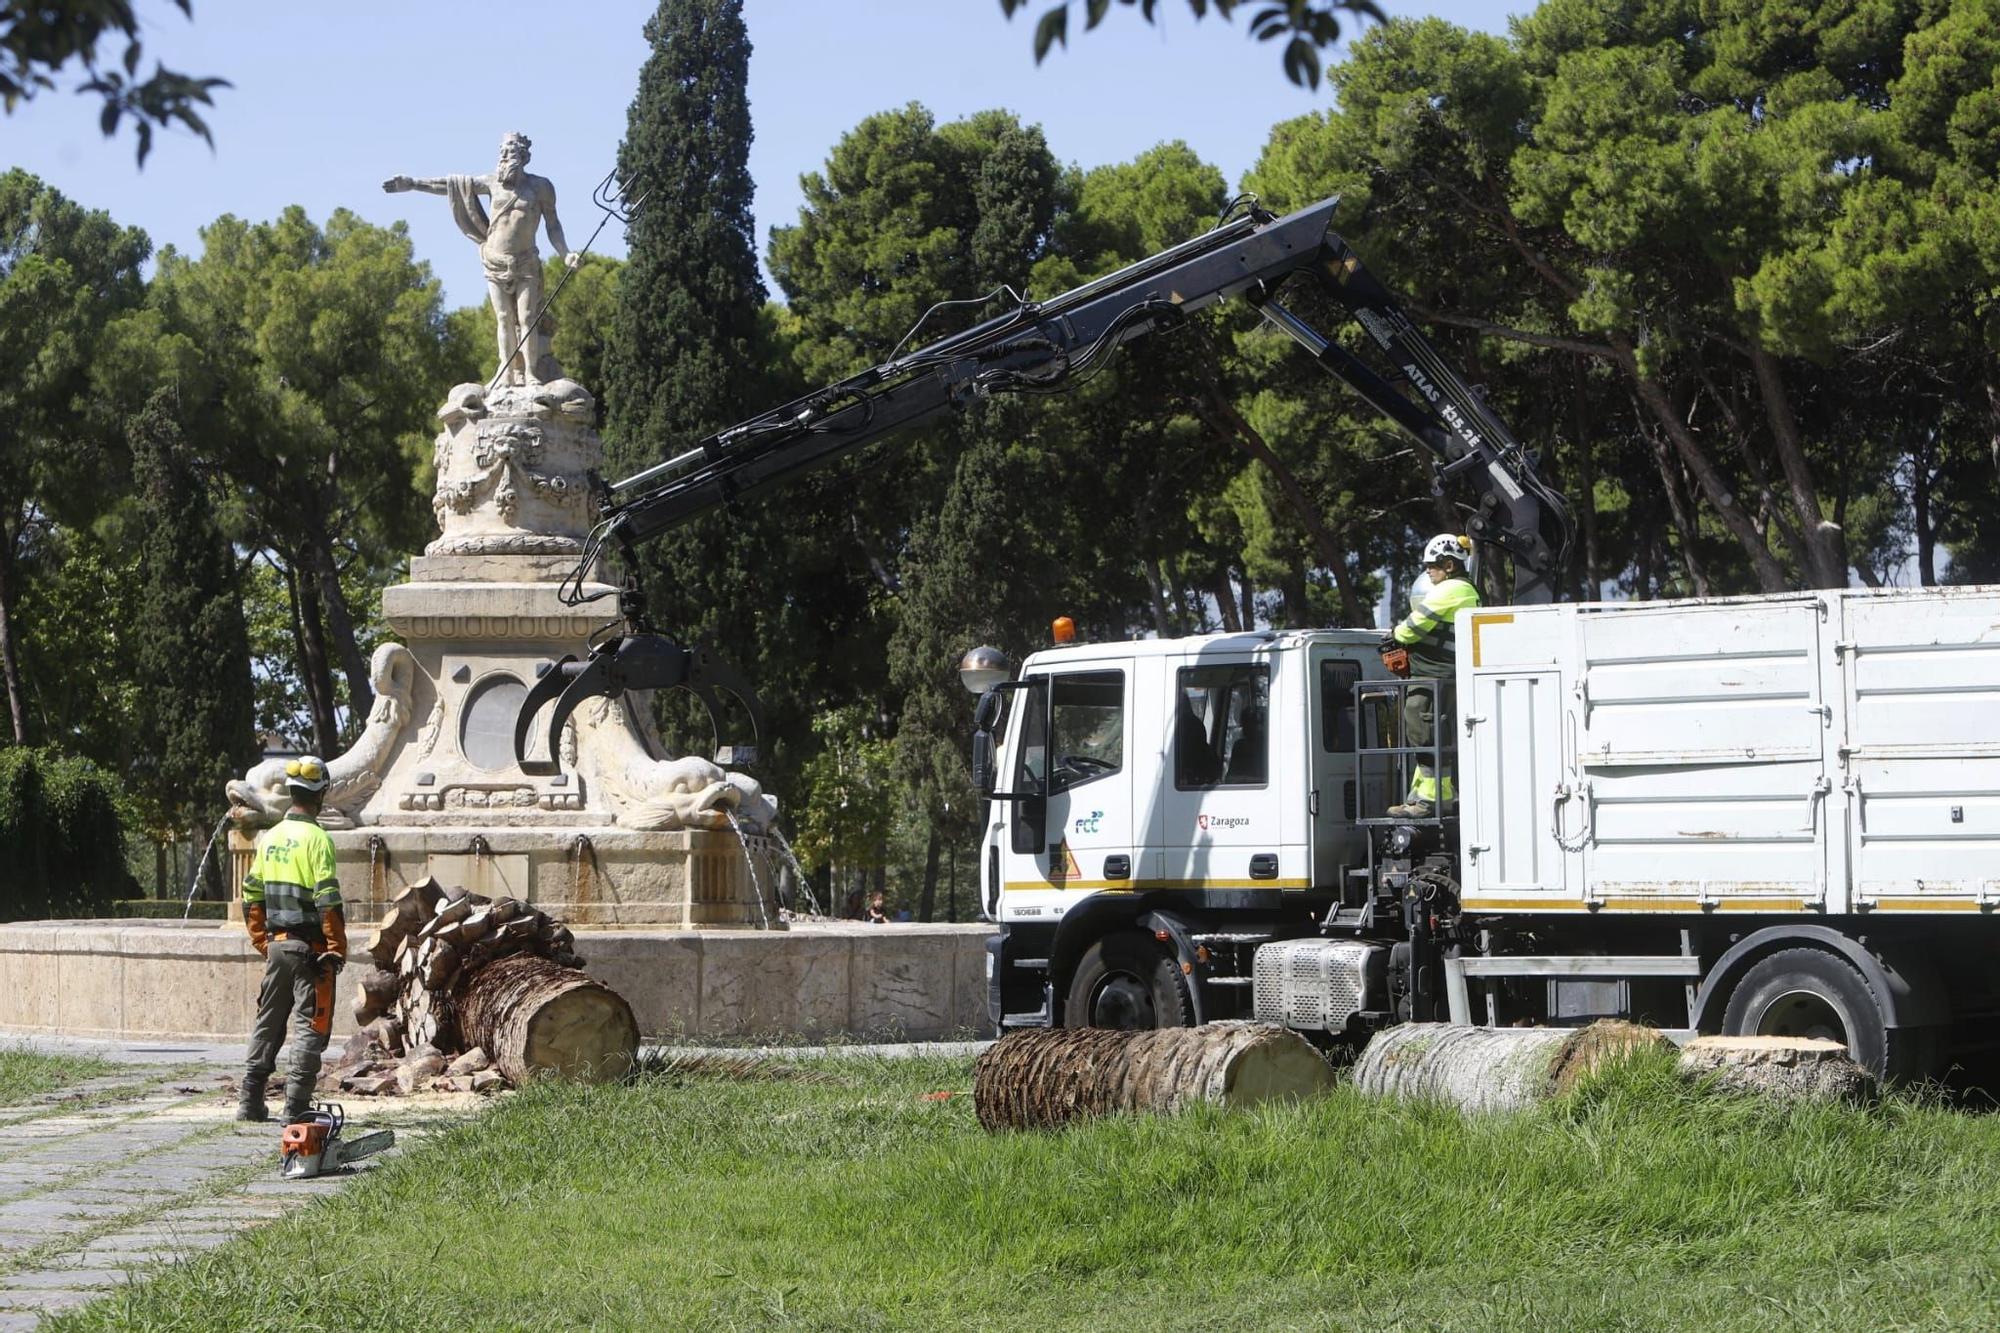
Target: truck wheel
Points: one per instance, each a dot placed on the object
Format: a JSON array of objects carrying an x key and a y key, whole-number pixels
[
  {"x": 1811, "y": 993},
  {"x": 1127, "y": 981}
]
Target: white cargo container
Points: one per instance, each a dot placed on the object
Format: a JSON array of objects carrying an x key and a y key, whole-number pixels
[
  {"x": 1761, "y": 814},
  {"x": 1833, "y": 753}
]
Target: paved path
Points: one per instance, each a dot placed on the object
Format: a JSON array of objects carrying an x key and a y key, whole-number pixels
[{"x": 112, "y": 1176}]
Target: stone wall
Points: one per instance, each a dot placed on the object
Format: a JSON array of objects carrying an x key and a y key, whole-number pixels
[{"x": 174, "y": 980}]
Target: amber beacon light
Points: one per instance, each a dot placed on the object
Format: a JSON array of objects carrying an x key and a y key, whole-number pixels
[{"x": 1062, "y": 629}]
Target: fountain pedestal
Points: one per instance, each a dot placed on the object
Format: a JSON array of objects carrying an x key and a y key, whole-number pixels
[{"x": 620, "y": 835}]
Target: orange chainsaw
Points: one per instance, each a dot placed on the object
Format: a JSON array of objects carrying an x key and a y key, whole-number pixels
[{"x": 313, "y": 1146}]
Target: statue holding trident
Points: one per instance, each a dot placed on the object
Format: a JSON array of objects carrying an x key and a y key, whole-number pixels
[{"x": 506, "y": 239}]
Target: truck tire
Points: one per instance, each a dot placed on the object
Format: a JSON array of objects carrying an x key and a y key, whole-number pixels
[
  {"x": 1128, "y": 981},
  {"x": 1812, "y": 993}
]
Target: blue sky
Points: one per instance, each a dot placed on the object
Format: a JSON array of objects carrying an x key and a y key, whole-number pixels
[{"x": 330, "y": 99}]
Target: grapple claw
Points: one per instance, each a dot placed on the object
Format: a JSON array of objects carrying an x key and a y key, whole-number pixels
[
  {"x": 633, "y": 662},
  {"x": 711, "y": 673},
  {"x": 554, "y": 677}
]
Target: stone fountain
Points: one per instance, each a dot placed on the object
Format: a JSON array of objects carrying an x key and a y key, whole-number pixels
[
  {"x": 638, "y": 850},
  {"x": 622, "y": 835}
]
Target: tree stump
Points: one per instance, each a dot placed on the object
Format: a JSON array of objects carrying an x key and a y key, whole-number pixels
[
  {"x": 1044, "y": 1078},
  {"x": 1787, "y": 1068},
  {"x": 531, "y": 1015},
  {"x": 1491, "y": 1069}
]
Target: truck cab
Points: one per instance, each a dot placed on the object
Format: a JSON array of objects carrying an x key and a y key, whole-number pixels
[{"x": 1162, "y": 808}]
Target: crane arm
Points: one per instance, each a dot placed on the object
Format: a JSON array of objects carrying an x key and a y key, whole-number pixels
[{"x": 1044, "y": 347}]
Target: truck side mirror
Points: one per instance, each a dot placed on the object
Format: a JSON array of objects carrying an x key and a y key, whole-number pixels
[
  {"x": 983, "y": 776},
  {"x": 987, "y": 711}
]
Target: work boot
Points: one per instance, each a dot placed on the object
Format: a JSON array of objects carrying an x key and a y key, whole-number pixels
[
  {"x": 1414, "y": 808},
  {"x": 298, "y": 1100},
  {"x": 250, "y": 1102}
]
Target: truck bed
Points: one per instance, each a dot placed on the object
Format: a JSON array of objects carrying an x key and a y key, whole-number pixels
[{"x": 1832, "y": 752}]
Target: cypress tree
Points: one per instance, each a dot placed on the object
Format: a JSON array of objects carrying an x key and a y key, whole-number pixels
[
  {"x": 688, "y": 354},
  {"x": 195, "y": 715},
  {"x": 681, "y": 361}
]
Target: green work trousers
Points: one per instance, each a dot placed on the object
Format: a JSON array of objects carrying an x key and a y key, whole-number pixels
[
  {"x": 296, "y": 986},
  {"x": 1420, "y": 714}
]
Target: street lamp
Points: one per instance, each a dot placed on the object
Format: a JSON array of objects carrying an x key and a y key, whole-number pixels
[{"x": 983, "y": 668}]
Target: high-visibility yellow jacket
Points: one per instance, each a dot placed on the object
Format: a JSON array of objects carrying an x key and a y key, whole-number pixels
[
  {"x": 292, "y": 878},
  {"x": 1427, "y": 630}
]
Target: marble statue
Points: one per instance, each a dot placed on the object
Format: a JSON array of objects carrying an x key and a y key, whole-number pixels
[
  {"x": 617, "y": 830},
  {"x": 506, "y": 238},
  {"x": 259, "y": 797},
  {"x": 649, "y": 790}
]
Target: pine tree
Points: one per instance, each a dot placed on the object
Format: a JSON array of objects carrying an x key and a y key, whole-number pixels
[
  {"x": 194, "y": 711},
  {"x": 682, "y": 358}
]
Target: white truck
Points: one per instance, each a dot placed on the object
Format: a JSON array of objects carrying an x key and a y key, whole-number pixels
[
  {"x": 1772, "y": 815},
  {"x": 1757, "y": 815}
]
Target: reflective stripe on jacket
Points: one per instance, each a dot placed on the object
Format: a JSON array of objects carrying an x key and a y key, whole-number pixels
[
  {"x": 293, "y": 875},
  {"x": 1427, "y": 630}
]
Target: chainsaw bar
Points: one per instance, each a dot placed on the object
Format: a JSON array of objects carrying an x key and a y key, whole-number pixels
[{"x": 354, "y": 1150}]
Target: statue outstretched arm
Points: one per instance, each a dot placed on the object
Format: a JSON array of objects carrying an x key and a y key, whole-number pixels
[{"x": 425, "y": 184}]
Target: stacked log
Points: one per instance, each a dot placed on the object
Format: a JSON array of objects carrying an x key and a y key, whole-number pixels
[
  {"x": 1043, "y": 1078},
  {"x": 443, "y": 955},
  {"x": 1492, "y": 1069}
]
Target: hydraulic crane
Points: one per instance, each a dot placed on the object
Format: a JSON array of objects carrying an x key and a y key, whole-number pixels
[{"x": 1045, "y": 347}]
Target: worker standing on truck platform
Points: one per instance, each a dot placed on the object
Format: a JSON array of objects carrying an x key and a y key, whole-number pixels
[
  {"x": 1424, "y": 645},
  {"x": 291, "y": 904}
]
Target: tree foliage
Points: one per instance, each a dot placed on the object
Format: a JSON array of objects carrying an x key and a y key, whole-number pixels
[
  {"x": 1306, "y": 27},
  {"x": 38, "y": 39},
  {"x": 1712, "y": 212},
  {"x": 65, "y": 273},
  {"x": 194, "y": 712},
  {"x": 688, "y": 354},
  {"x": 682, "y": 359},
  {"x": 315, "y": 356},
  {"x": 61, "y": 837}
]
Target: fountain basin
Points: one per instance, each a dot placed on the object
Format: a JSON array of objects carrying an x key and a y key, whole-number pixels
[
  {"x": 687, "y": 879},
  {"x": 819, "y": 979}
]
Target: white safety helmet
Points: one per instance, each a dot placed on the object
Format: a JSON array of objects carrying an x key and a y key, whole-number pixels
[
  {"x": 1448, "y": 544},
  {"x": 307, "y": 773}
]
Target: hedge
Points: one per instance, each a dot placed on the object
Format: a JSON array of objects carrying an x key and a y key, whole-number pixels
[{"x": 61, "y": 837}]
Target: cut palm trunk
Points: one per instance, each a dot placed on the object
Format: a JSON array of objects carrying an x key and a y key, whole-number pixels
[
  {"x": 455, "y": 969},
  {"x": 1044, "y": 1078},
  {"x": 533, "y": 1016},
  {"x": 1492, "y": 1069}
]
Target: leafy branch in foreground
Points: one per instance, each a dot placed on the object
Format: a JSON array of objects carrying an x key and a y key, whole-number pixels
[
  {"x": 1311, "y": 26},
  {"x": 36, "y": 40}
]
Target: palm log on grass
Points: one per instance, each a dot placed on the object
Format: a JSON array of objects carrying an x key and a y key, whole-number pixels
[
  {"x": 1492, "y": 1069},
  {"x": 1044, "y": 1078},
  {"x": 533, "y": 1016},
  {"x": 453, "y": 969}
]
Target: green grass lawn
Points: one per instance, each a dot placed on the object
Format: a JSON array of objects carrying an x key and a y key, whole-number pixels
[
  {"x": 849, "y": 1200},
  {"x": 29, "y": 1074}
]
